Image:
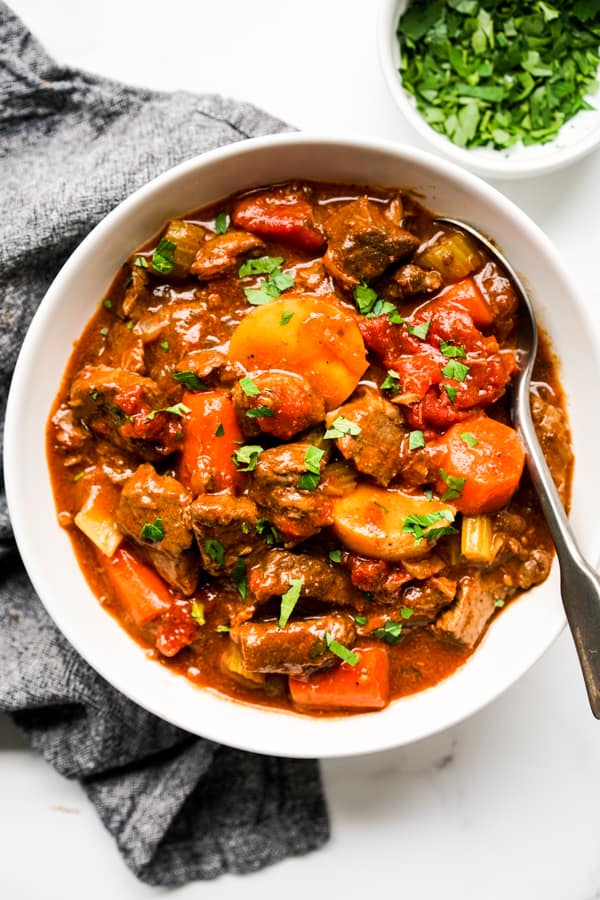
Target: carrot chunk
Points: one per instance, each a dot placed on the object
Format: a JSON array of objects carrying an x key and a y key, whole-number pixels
[
  {"x": 465, "y": 293},
  {"x": 279, "y": 217},
  {"x": 488, "y": 456},
  {"x": 142, "y": 593},
  {"x": 211, "y": 434},
  {"x": 364, "y": 686}
]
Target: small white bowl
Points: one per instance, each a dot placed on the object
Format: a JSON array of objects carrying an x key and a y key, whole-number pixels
[
  {"x": 576, "y": 138},
  {"x": 513, "y": 643}
]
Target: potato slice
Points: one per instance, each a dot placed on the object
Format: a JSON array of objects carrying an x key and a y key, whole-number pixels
[
  {"x": 377, "y": 522},
  {"x": 96, "y": 518}
]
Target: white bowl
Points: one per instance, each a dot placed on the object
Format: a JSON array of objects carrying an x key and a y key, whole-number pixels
[
  {"x": 519, "y": 636},
  {"x": 576, "y": 138}
]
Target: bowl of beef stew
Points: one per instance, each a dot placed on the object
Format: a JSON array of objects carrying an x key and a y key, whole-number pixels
[{"x": 273, "y": 488}]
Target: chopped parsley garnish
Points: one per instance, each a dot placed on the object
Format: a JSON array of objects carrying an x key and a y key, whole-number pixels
[
  {"x": 264, "y": 265},
  {"x": 419, "y": 331},
  {"x": 416, "y": 439},
  {"x": 385, "y": 308},
  {"x": 289, "y": 600},
  {"x": 335, "y": 556},
  {"x": 249, "y": 387},
  {"x": 451, "y": 391},
  {"x": 107, "y": 304},
  {"x": 179, "y": 409},
  {"x": 245, "y": 528},
  {"x": 197, "y": 612},
  {"x": 260, "y": 412},
  {"x": 238, "y": 576},
  {"x": 286, "y": 317},
  {"x": 491, "y": 75},
  {"x": 455, "y": 485},
  {"x": 391, "y": 632},
  {"x": 79, "y": 476},
  {"x": 469, "y": 438},
  {"x": 391, "y": 381},
  {"x": 220, "y": 430},
  {"x": 499, "y": 602},
  {"x": 153, "y": 531},
  {"x": 104, "y": 332},
  {"x": 261, "y": 295},
  {"x": 456, "y": 370},
  {"x": 247, "y": 456},
  {"x": 346, "y": 655},
  {"x": 421, "y": 527},
  {"x": 361, "y": 620},
  {"x": 163, "y": 258},
  {"x": 221, "y": 223},
  {"x": 165, "y": 346},
  {"x": 215, "y": 550},
  {"x": 340, "y": 427},
  {"x": 129, "y": 325},
  {"x": 365, "y": 298},
  {"x": 264, "y": 527},
  {"x": 281, "y": 280},
  {"x": 406, "y": 612},
  {"x": 223, "y": 629},
  {"x": 141, "y": 262},
  {"x": 452, "y": 350},
  {"x": 310, "y": 479},
  {"x": 428, "y": 493},
  {"x": 94, "y": 395},
  {"x": 190, "y": 381}
]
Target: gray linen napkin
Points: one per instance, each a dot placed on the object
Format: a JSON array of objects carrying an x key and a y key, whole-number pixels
[{"x": 180, "y": 808}]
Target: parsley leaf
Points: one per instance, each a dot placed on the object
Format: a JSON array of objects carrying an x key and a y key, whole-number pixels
[
  {"x": 365, "y": 298},
  {"x": 221, "y": 223},
  {"x": 346, "y": 655},
  {"x": 141, "y": 262},
  {"x": 238, "y": 576},
  {"x": 247, "y": 456},
  {"x": 179, "y": 409},
  {"x": 163, "y": 258},
  {"x": 391, "y": 381},
  {"x": 391, "y": 632},
  {"x": 264, "y": 265},
  {"x": 215, "y": 550},
  {"x": 340, "y": 427},
  {"x": 455, "y": 485},
  {"x": 421, "y": 526},
  {"x": 249, "y": 387},
  {"x": 220, "y": 430},
  {"x": 264, "y": 527},
  {"x": 451, "y": 391},
  {"x": 286, "y": 317},
  {"x": 456, "y": 370},
  {"x": 190, "y": 381},
  {"x": 335, "y": 556},
  {"x": 260, "y": 412},
  {"x": 469, "y": 438},
  {"x": 452, "y": 350},
  {"x": 197, "y": 612},
  {"x": 416, "y": 439},
  {"x": 289, "y": 600},
  {"x": 308, "y": 481},
  {"x": 419, "y": 331},
  {"x": 153, "y": 531}
]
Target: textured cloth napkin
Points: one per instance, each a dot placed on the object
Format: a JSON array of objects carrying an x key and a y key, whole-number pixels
[{"x": 180, "y": 807}]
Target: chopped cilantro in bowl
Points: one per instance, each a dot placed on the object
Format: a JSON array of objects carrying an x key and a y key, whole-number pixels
[{"x": 506, "y": 88}]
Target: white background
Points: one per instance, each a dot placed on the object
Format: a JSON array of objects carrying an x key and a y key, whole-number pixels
[{"x": 504, "y": 805}]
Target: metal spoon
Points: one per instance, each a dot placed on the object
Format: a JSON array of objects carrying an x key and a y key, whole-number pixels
[{"x": 579, "y": 583}]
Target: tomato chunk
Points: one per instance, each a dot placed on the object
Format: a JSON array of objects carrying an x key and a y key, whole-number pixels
[
  {"x": 211, "y": 434},
  {"x": 280, "y": 216}
]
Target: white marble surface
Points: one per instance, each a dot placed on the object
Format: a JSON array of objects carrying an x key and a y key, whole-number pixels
[{"x": 504, "y": 804}]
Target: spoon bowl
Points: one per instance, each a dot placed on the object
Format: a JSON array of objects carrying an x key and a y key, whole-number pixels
[{"x": 579, "y": 583}]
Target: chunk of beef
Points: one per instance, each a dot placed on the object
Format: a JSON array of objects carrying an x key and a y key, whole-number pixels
[
  {"x": 363, "y": 242},
  {"x": 146, "y": 498},
  {"x": 409, "y": 280},
  {"x": 284, "y": 214},
  {"x": 117, "y": 405},
  {"x": 298, "y": 649},
  {"x": 223, "y": 253},
  {"x": 294, "y": 403},
  {"x": 211, "y": 363},
  {"x": 465, "y": 621},
  {"x": 376, "y": 449},
  {"x": 296, "y": 513},
  {"x": 428, "y": 597},
  {"x": 321, "y": 580},
  {"x": 136, "y": 292},
  {"x": 230, "y": 522},
  {"x": 500, "y": 296},
  {"x": 68, "y": 434},
  {"x": 553, "y": 433}
]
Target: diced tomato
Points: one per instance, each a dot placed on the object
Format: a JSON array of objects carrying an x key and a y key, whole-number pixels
[
  {"x": 177, "y": 629},
  {"x": 364, "y": 686},
  {"x": 142, "y": 593},
  {"x": 279, "y": 216},
  {"x": 211, "y": 434}
]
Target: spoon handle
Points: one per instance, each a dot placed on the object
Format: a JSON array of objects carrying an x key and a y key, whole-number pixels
[{"x": 579, "y": 583}]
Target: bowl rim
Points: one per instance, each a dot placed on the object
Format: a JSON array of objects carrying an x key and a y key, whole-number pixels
[
  {"x": 500, "y": 166},
  {"x": 350, "y": 737}
]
